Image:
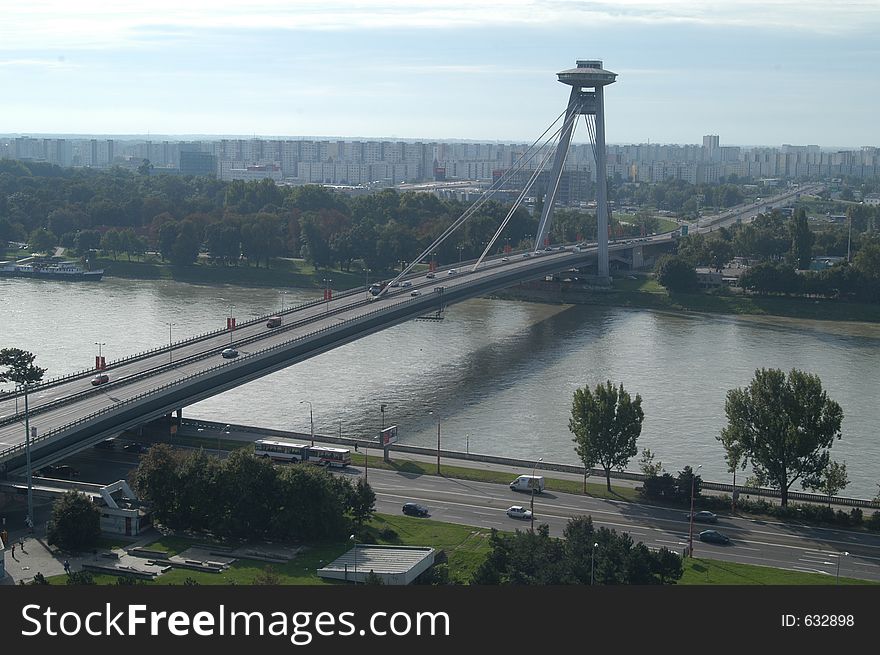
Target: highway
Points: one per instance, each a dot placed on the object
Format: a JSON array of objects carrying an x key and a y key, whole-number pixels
[{"x": 745, "y": 213}]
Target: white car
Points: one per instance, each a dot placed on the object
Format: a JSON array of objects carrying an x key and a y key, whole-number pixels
[
  {"x": 505, "y": 259},
  {"x": 451, "y": 271},
  {"x": 518, "y": 512},
  {"x": 415, "y": 292},
  {"x": 406, "y": 283}
]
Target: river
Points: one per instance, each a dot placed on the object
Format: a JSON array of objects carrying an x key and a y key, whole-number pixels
[{"x": 498, "y": 374}]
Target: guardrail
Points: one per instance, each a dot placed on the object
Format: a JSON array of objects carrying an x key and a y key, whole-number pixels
[{"x": 160, "y": 349}]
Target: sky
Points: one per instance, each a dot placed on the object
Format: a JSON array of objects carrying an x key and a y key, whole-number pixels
[{"x": 766, "y": 72}]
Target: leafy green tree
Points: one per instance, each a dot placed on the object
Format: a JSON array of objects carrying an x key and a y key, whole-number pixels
[
  {"x": 834, "y": 480},
  {"x": 733, "y": 455},
  {"x": 112, "y": 242},
  {"x": 363, "y": 503},
  {"x": 19, "y": 367},
  {"x": 867, "y": 260},
  {"x": 39, "y": 579},
  {"x": 606, "y": 423},
  {"x": 676, "y": 274},
  {"x": 648, "y": 466},
  {"x": 155, "y": 481},
  {"x": 802, "y": 240},
  {"x": 42, "y": 240},
  {"x": 81, "y": 578},
  {"x": 75, "y": 523},
  {"x": 683, "y": 483},
  {"x": 168, "y": 233},
  {"x": 87, "y": 240},
  {"x": 667, "y": 566},
  {"x": 784, "y": 426}
]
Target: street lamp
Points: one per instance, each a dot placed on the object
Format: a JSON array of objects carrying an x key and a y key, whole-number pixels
[
  {"x": 460, "y": 248},
  {"x": 839, "y": 555},
  {"x": 311, "y": 419},
  {"x": 99, "y": 344},
  {"x": 27, "y": 451},
  {"x": 225, "y": 431},
  {"x": 327, "y": 282},
  {"x": 532, "y": 507},
  {"x": 231, "y": 325},
  {"x": 367, "y": 280},
  {"x": 691, "y": 528},
  {"x": 467, "y": 444},
  {"x": 438, "y": 441},
  {"x": 592, "y": 558},
  {"x": 283, "y": 293},
  {"x": 170, "y": 351},
  {"x": 354, "y": 541}
]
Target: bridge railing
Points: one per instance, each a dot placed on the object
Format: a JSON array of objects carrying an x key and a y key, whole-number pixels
[{"x": 144, "y": 354}]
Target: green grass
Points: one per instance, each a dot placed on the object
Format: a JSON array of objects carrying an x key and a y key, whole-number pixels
[{"x": 699, "y": 571}]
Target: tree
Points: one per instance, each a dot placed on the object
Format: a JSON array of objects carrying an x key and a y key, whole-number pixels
[
  {"x": 733, "y": 455},
  {"x": 676, "y": 274},
  {"x": 363, "y": 502},
  {"x": 20, "y": 367},
  {"x": 834, "y": 480},
  {"x": 648, "y": 466},
  {"x": 687, "y": 482},
  {"x": 867, "y": 260},
  {"x": 42, "y": 240},
  {"x": 801, "y": 240},
  {"x": 606, "y": 424},
  {"x": 81, "y": 578},
  {"x": 784, "y": 426},
  {"x": 75, "y": 523}
]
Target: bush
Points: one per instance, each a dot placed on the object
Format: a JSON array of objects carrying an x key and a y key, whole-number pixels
[
  {"x": 389, "y": 534},
  {"x": 856, "y": 516},
  {"x": 874, "y": 522},
  {"x": 81, "y": 578}
]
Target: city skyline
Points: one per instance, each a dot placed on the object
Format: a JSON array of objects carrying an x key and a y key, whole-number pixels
[{"x": 757, "y": 74}]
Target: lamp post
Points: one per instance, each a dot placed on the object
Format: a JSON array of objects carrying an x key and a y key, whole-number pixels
[
  {"x": 532, "y": 505},
  {"x": 27, "y": 451},
  {"x": 225, "y": 431},
  {"x": 467, "y": 444},
  {"x": 367, "y": 280},
  {"x": 311, "y": 419},
  {"x": 231, "y": 325},
  {"x": 283, "y": 293},
  {"x": 839, "y": 556},
  {"x": 460, "y": 249},
  {"x": 438, "y": 441},
  {"x": 592, "y": 558},
  {"x": 327, "y": 282},
  {"x": 354, "y": 541},
  {"x": 170, "y": 351},
  {"x": 99, "y": 344},
  {"x": 691, "y": 528}
]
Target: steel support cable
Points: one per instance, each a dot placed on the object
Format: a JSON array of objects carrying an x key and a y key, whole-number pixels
[
  {"x": 517, "y": 166},
  {"x": 526, "y": 189},
  {"x": 591, "y": 126},
  {"x": 542, "y": 229}
]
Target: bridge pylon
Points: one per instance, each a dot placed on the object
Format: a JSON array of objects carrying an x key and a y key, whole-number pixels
[{"x": 587, "y": 98}]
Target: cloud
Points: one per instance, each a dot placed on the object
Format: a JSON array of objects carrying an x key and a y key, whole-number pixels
[{"x": 97, "y": 23}]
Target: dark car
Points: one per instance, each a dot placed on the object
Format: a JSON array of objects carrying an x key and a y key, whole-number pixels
[
  {"x": 229, "y": 353},
  {"x": 414, "y": 509},
  {"x": 62, "y": 471},
  {"x": 134, "y": 448},
  {"x": 703, "y": 517},
  {"x": 714, "y": 537},
  {"x": 100, "y": 379}
]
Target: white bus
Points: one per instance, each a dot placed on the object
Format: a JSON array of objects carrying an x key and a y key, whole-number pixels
[
  {"x": 281, "y": 451},
  {"x": 326, "y": 456}
]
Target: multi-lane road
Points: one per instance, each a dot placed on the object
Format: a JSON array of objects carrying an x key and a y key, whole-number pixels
[{"x": 483, "y": 505}]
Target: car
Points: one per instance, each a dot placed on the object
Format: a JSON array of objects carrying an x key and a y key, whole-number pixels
[
  {"x": 58, "y": 471},
  {"x": 134, "y": 448},
  {"x": 414, "y": 509},
  {"x": 518, "y": 512},
  {"x": 430, "y": 276},
  {"x": 100, "y": 379},
  {"x": 107, "y": 444},
  {"x": 703, "y": 517},
  {"x": 415, "y": 292},
  {"x": 451, "y": 271},
  {"x": 525, "y": 254},
  {"x": 407, "y": 283},
  {"x": 505, "y": 259},
  {"x": 548, "y": 249},
  {"x": 229, "y": 353},
  {"x": 714, "y": 537}
]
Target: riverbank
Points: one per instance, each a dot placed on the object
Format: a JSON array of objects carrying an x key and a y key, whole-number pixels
[{"x": 646, "y": 293}]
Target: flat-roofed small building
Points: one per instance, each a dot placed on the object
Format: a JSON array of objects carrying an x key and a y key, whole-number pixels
[{"x": 394, "y": 565}]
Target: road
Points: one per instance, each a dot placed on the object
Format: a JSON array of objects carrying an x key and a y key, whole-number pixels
[
  {"x": 744, "y": 213},
  {"x": 767, "y": 543}
]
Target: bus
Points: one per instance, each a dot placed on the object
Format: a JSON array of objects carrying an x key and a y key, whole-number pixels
[
  {"x": 326, "y": 456},
  {"x": 281, "y": 451}
]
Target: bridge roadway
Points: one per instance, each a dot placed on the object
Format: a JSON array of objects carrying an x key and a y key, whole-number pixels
[
  {"x": 744, "y": 213},
  {"x": 70, "y": 414}
]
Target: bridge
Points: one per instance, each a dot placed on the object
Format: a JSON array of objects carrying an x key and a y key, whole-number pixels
[{"x": 70, "y": 414}]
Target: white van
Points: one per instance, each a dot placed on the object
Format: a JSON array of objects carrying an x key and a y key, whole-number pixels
[{"x": 528, "y": 483}]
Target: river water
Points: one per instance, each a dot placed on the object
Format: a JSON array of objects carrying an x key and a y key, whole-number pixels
[{"x": 498, "y": 374}]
